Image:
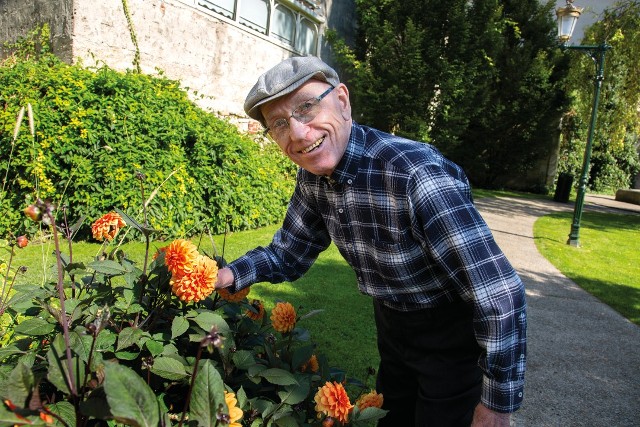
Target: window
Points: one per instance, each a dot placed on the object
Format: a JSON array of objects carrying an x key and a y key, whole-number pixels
[
  {"x": 283, "y": 25},
  {"x": 306, "y": 40},
  {"x": 292, "y": 22},
  {"x": 255, "y": 14},
  {"x": 223, "y": 7}
]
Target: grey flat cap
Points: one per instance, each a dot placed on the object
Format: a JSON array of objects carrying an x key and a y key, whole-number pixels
[{"x": 283, "y": 79}]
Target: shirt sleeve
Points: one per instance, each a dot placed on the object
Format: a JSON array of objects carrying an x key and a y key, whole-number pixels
[
  {"x": 462, "y": 244},
  {"x": 294, "y": 248}
]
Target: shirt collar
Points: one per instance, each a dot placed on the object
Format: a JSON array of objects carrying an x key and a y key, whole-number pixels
[{"x": 347, "y": 168}]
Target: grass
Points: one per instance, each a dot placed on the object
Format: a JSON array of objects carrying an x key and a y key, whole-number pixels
[
  {"x": 606, "y": 265},
  {"x": 345, "y": 331}
]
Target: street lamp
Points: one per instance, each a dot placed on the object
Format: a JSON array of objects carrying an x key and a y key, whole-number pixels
[{"x": 567, "y": 18}]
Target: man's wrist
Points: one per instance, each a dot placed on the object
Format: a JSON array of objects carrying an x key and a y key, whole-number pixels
[{"x": 225, "y": 278}]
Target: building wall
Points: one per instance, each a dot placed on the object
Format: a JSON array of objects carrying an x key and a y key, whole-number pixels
[
  {"x": 217, "y": 59},
  {"x": 19, "y": 17}
]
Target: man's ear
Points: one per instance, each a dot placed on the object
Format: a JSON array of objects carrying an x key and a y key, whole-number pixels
[{"x": 345, "y": 103}]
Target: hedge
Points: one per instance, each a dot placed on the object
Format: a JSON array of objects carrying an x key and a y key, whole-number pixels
[{"x": 97, "y": 130}]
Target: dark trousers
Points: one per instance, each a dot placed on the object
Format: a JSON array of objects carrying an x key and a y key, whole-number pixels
[{"x": 429, "y": 374}]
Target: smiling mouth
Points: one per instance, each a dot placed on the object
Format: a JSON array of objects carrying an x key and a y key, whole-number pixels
[{"x": 312, "y": 147}]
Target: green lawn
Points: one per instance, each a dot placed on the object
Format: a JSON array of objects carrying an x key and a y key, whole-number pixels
[{"x": 607, "y": 264}]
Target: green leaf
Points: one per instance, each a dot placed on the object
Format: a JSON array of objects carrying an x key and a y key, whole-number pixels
[
  {"x": 286, "y": 421},
  {"x": 368, "y": 414},
  {"x": 168, "y": 368},
  {"x": 128, "y": 337},
  {"x": 8, "y": 418},
  {"x": 278, "y": 376},
  {"x": 130, "y": 221},
  {"x": 64, "y": 410},
  {"x": 179, "y": 326},
  {"x": 18, "y": 385},
  {"x": 296, "y": 393},
  {"x": 9, "y": 351},
  {"x": 310, "y": 314},
  {"x": 34, "y": 327},
  {"x": 207, "y": 319},
  {"x": 127, "y": 355},
  {"x": 58, "y": 373},
  {"x": 107, "y": 267},
  {"x": 154, "y": 347},
  {"x": 243, "y": 359},
  {"x": 130, "y": 399},
  {"x": 301, "y": 356},
  {"x": 207, "y": 396}
]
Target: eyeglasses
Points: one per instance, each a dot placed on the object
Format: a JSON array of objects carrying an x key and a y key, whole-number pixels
[{"x": 303, "y": 113}]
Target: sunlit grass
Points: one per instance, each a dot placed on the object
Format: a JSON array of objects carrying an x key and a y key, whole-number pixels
[{"x": 607, "y": 262}]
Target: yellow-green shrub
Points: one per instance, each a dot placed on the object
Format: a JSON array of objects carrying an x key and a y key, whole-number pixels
[{"x": 96, "y": 129}]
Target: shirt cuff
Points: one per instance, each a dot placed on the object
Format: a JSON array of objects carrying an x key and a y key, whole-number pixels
[
  {"x": 502, "y": 397},
  {"x": 244, "y": 273}
]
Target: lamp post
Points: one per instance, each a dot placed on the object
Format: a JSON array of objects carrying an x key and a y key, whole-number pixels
[{"x": 567, "y": 18}]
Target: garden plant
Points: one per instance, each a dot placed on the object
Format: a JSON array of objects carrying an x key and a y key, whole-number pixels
[{"x": 112, "y": 342}]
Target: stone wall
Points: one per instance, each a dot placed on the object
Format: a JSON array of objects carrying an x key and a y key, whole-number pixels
[{"x": 216, "y": 59}]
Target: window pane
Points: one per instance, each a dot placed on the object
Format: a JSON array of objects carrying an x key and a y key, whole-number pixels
[
  {"x": 255, "y": 14},
  {"x": 284, "y": 25},
  {"x": 223, "y": 7},
  {"x": 306, "y": 40}
]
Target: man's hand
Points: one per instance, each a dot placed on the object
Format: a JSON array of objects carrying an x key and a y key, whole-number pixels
[
  {"x": 485, "y": 417},
  {"x": 225, "y": 278}
]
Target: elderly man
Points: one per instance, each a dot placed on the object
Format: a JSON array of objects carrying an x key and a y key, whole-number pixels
[{"x": 449, "y": 308}]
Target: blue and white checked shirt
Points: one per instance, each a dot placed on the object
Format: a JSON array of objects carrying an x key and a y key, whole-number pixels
[{"x": 402, "y": 216}]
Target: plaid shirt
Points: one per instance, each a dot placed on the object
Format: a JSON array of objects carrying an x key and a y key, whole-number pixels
[{"x": 403, "y": 217}]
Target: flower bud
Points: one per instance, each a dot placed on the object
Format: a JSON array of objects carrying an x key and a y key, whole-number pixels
[
  {"x": 328, "y": 422},
  {"x": 22, "y": 241},
  {"x": 33, "y": 212}
]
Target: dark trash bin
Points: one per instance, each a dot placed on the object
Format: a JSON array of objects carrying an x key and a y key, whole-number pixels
[{"x": 563, "y": 187}]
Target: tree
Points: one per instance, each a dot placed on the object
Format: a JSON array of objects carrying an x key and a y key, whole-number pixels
[
  {"x": 478, "y": 79},
  {"x": 614, "y": 161}
]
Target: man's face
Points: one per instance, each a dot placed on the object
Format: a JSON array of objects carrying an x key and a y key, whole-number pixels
[{"x": 318, "y": 145}]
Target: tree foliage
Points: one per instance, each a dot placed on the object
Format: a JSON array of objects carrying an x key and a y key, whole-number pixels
[
  {"x": 478, "y": 79},
  {"x": 614, "y": 161},
  {"x": 96, "y": 130}
]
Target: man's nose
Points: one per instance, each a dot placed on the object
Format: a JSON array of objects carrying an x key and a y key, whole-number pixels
[{"x": 297, "y": 130}]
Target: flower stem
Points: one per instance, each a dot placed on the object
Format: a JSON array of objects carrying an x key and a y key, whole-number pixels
[
  {"x": 5, "y": 297},
  {"x": 63, "y": 317},
  {"x": 193, "y": 380}
]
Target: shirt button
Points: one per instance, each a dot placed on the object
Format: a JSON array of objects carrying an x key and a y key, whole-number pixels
[
  {"x": 340, "y": 210},
  {"x": 349, "y": 245},
  {"x": 520, "y": 394},
  {"x": 349, "y": 181}
]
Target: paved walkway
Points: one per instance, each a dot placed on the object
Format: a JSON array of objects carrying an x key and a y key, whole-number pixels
[{"x": 583, "y": 364}]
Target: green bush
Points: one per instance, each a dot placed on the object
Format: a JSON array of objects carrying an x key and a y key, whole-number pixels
[{"x": 97, "y": 130}]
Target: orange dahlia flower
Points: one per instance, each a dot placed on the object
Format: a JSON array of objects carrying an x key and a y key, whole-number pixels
[
  {"x": 235, "y": 413},
  {"x": 257, "y": 304},
  {"x": 226, "y": 295},
  {"x": 283, "y": 317},
  {"x": 107, "y": 226},
  {"x": 311, "y": 365},
  {"x": 198, "y": 283},
  {"x": 180, "y": 256},
  {"x": 371, "y": 399},
  {"x": 333, "y": 401}
]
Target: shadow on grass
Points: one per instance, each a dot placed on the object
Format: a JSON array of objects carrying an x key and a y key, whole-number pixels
[
  {"x": 622, "y": 298},
  {"x": 345, "y": 330}
]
